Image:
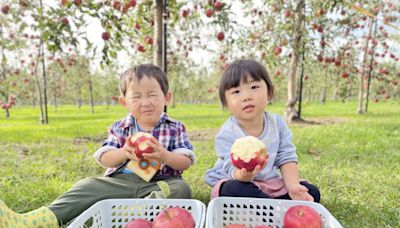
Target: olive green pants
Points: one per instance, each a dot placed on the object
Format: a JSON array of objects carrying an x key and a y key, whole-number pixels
[{"x": 88, "y": 191}]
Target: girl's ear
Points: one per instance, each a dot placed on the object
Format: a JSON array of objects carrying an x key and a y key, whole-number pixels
[
  {"x": 122, "y": 101},
  {"x": 168, "y": 97}
]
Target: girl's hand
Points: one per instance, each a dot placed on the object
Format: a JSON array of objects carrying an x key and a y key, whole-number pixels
[
  {"x": 247, "y": 176},
  {"x": 129, "y": 150},
  {"x": 160, "y": 153},
  {"x": 299, "y": 192}
]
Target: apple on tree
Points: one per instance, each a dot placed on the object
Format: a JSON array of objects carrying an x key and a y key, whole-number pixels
[
  {"x": 174, "y": 217},
  {"x": 302, "y": 216},
  {"x": 248, "y": 152},
  {"x": 139, "y": 223},
  {"x": 140, "y": 141}
]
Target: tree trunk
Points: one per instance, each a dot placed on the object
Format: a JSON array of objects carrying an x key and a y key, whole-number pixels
[
  {"x": 157, "y": 51},
  {"x": 370, "y": 66},
  {"x": 91, "y": 92},
  {"x": 361, "y": 85},
  {"x": 323, "y": 92},
  {"x": 290, "y": 112},
  {"x": 41, "y": 55}
]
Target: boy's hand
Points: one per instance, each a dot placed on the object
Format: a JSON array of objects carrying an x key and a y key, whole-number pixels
[
  {"x": 160, "y": 153},
  {"x": 299, "y": 192},
  {"x": 129, "y": 151}
]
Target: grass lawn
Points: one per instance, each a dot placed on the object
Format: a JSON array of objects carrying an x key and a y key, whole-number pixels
[{"x": 354, "y": 159}]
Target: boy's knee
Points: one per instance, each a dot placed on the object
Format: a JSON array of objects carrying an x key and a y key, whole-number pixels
[{"x": 179, "y": 189}]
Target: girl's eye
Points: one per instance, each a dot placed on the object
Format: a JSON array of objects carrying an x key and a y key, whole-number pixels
[
  {"x": 255, "y": 87},
  {"x": 235, "y": 91}
]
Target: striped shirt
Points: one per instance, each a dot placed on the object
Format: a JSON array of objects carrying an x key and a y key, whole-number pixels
[{"x": 169, "y": 132}]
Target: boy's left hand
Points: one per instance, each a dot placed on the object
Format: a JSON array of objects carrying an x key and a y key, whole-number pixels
[
  {"x": 160, "y": 153},
  {"x": 299, "y": 192}
]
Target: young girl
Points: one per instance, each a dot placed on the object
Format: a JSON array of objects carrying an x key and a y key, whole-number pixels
[{"x": 245, "y": 89}]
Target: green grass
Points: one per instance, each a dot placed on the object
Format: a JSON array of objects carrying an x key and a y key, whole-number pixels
[{"x": 354, "y": 159}]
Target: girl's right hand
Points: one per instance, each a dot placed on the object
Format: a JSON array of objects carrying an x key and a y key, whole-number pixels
[{"x": 245, "y": 175}]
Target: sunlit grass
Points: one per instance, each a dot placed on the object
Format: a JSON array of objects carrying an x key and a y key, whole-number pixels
[{"x": 354, "y": 159}]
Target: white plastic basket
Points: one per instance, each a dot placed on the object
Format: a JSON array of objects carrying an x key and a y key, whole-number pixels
[
  {"x": 115, "y": 213},
  {"x": 252, "y": 212}
]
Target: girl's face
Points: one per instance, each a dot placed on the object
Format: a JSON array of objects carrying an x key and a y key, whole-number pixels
[
  {"x": 145, "y": 100},
  {"x": 247, "y": 101}
]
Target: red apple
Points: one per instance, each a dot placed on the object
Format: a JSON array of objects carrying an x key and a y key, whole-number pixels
[
  {"x": 149, "y": 40},
  {"x": 139, "y": 223},
  {"x": 345, "y": 74},
  {"x": 140, "y": 141},
  {"x": 301, "y": 216},
  {"x": 64, "y": 2},
  {"x": 248, "y": 152},
  {"x": 174, "y": 217},
  {"x": 220, "y": 36},
  {"x": 185, "y": 13},
  {"x": 277, "y": 50},
  {"x": 5, "y": 8},
  {"x": 235, "y": 226},
  {"x": 209, "y": 12},
  {"x": 132, "y": 3},
  {"x": 140, "y": 48},
  {"x": 218, "y": 5},
  {"x": 105, "y": 36},
  {"x": 78, "y": 2}
]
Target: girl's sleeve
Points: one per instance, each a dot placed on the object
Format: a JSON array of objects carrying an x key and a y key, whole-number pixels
[{"x": 287, "y": 150}]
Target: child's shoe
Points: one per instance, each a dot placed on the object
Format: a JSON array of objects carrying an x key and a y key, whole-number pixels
[{"x": 42, "y": 217}]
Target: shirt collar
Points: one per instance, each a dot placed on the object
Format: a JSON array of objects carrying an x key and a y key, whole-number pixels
[{"x": 129, "y": 120}]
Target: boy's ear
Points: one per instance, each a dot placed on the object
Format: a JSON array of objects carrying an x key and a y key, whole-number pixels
[
  {"x": 122, "y": 101},
  {"x": 168, "y": 97}
]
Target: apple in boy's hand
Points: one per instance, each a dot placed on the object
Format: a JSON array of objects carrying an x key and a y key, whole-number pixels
[
  {"x": 174, "y": 217},
  {"x": 248, "y": 152},
  {"x": 140, "y": 141},
  {"x": 139, "y": 223},
  {"x": 302, "y": 216}
]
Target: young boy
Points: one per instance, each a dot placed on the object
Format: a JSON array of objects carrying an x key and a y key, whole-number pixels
[{"x": 144, "y": 93}]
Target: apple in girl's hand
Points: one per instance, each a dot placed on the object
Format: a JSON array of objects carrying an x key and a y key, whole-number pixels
[
  {"x": 302, "y": 216},
  {"x": 139, "y": 223},
  {"x": 248, "y": 152},
  {"x": 140, "y": 141},
  {"x": 174, "y": 217}
]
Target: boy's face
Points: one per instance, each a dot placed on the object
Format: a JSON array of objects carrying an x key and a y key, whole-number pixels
[
  {"x": 145, "y": 100},
  {"x": 247, "y": 101}
]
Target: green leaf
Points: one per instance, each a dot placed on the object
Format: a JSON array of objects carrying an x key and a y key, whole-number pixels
[{"x": 164, "y": 188}]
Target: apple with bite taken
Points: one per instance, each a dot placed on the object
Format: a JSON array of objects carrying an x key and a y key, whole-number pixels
[
  {"x": 248, "y": 152},
  {"x": 140, "y": 142}
]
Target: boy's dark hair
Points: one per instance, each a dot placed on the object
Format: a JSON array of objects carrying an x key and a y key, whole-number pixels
[
  {"x": 240, "y": 71},
  {"x": 138, "y": 72}
]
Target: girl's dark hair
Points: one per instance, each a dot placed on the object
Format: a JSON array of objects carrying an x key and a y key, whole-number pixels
[
  {"x": 241, "y": 71},
  {"x": 139, "y": 72}
]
